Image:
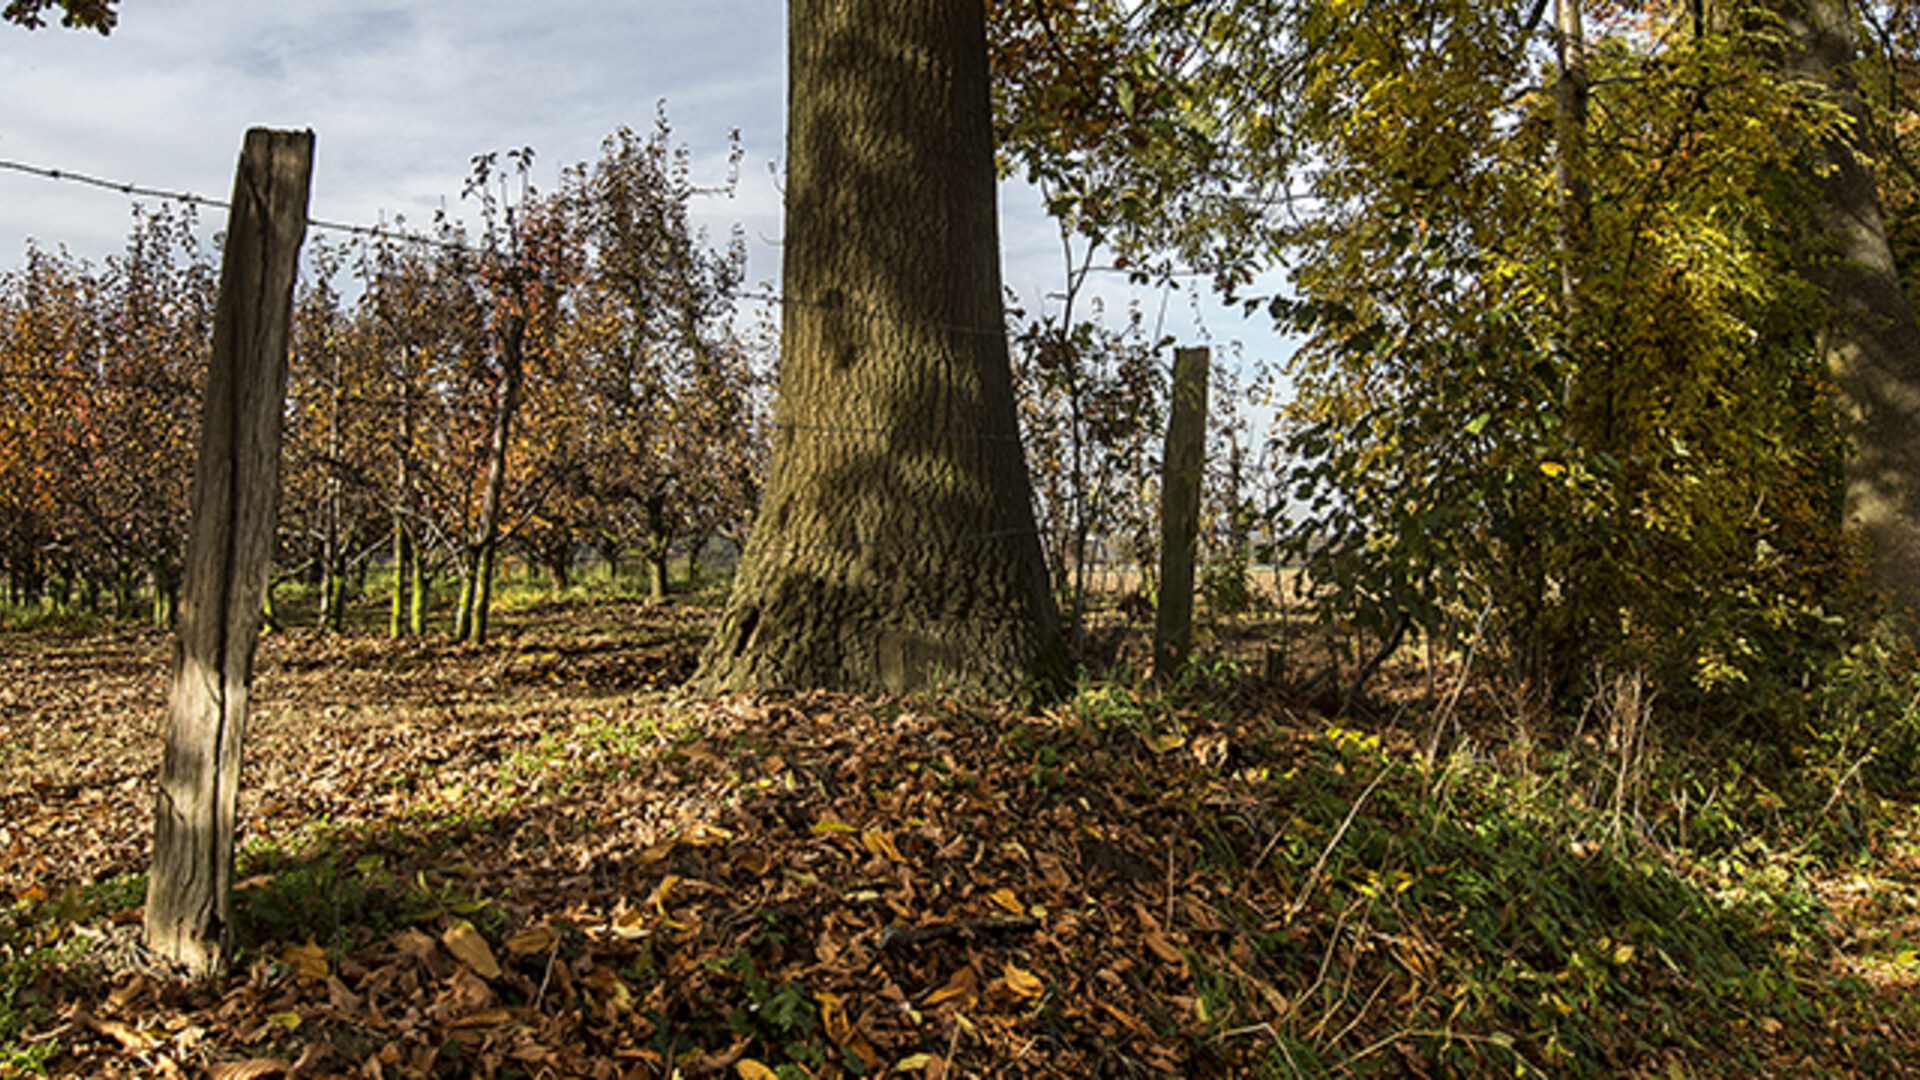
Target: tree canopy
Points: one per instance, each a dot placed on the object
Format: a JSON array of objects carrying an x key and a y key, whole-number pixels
[
  {"x": 1561, "y": 387},
  {"x": 100, "y": 15}
]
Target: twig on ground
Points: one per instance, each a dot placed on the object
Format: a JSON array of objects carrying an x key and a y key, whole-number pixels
[
  {"x": 894, "y": 936},
  {"x": 1313, "y": 876}
]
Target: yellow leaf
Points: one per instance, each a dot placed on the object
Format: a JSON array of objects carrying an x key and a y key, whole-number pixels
[
  {"x": 467, "y": 946},
  {"x": 289, "y": 1020},
  {"x": 963, "y": 984},
  {"x": 827, "y": 826},
  {"x": 749, "y": 1069},
  {"x": 631, "y": 924},
  {"x": 659, "y": 900},
  {"x": 609, "y": 983},
  {"x": 880, "y": 843},
  {"x": 913, "y": 1063},
  {"x": 309, "y": 961},
  {"x": 1005, "y": 899},
  {"x": 534, "y": 939},
  {"x": 832, "y": 1020},
  {"x": 1166, "y": 744},
  {"x": 1552, "y": 468},
  {"x": 657, "y": 854},
  {"x": 1024, "y": 983}
]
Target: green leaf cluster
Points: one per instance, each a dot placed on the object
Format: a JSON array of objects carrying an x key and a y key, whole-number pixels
[{"x": 1557, "y": 392}]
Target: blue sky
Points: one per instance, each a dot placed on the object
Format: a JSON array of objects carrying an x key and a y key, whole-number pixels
[{"x": 402, "y": 95}]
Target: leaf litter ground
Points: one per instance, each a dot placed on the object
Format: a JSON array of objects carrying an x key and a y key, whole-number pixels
[{"x": 536, "y": 860}]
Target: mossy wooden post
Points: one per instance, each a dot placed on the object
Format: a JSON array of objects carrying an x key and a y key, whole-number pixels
[
  {"x": 1180, "y": 470},
  {"x": 229, "y": 551}
]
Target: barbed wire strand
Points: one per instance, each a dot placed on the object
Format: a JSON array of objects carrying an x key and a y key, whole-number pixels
[
  {"x": 377, "y": 232},
  {"x": 188, "y": 198},
  {"x": 380, "y": 233}
]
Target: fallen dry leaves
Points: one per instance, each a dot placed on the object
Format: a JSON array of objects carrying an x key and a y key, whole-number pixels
[
  {"x": 554, "y": 876},
  {"x": 510, "y": 863}
]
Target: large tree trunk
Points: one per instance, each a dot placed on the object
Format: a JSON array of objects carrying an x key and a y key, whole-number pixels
[
  {"x": 895, "y": 545},
  {"x": 1873, "y": 345}
]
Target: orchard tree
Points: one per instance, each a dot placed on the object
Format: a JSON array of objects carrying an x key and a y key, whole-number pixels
[
  {"x": 664, "y": 382},
  {"x": 424, "y": 321},
  {"x": 156, "y": 304},
  {"x": 49, "y": 344},
  {"x": 334, "y": 503},
  {"x": 100, "y": 369},
  {"x": 895, "y": 545},
  {"x": 525, "y": 267},
  {"x": 1092, "y": 405}
]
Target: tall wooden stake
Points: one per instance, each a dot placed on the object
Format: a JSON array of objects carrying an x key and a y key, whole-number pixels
[
  {"x": 189, "y": 913},
  {"x": 1180, "y": 470}
]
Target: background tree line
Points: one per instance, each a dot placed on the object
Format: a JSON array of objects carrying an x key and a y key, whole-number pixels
[{"x": 569, "y": 376}]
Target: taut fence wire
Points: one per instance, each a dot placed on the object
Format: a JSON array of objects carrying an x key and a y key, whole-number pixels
[
  {"x": 188, "y": 198},
  {"x": 382, "y": 233},
  {"x": 378, "y": 232}
]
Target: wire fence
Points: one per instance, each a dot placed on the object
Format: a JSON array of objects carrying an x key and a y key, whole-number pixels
[
  {"x": 376, "y": 232},
  {"x": 187, "y": 198},
  {"x": 439, "y": 402}
]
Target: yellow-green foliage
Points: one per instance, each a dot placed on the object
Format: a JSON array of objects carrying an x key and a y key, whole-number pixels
[{"x": 1641, "y": 472}]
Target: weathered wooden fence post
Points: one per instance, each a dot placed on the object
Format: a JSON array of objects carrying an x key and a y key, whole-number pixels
[
  {"x": 1180, "y": 473},
  {"x": 229, "y": 551}
]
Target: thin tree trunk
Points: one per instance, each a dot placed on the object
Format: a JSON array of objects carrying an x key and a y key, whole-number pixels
[
  {"x": 189, "y": 911},
  {"x": 895, "y": 545},
  {"x": 402, "y": 580},
  {"x": 478, "y": 590},
  {"x": 483, "y": 591},
  {"x": 332, "y": 558},
  {"x": 1183, "y": 467},
  {"x": 405, "y": 580},
  {"x": 469, "y": 569},
  {"x": 1570, "y": 158},
  {"x": 422, "y": 584},
  {"x": 657, "y": 584}
]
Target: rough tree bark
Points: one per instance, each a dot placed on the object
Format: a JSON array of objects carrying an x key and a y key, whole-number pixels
[
  {"x": 1873, "y": 345},
  {"x": 895, "y": 544},
  {"x": 189, "y": 914}
]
